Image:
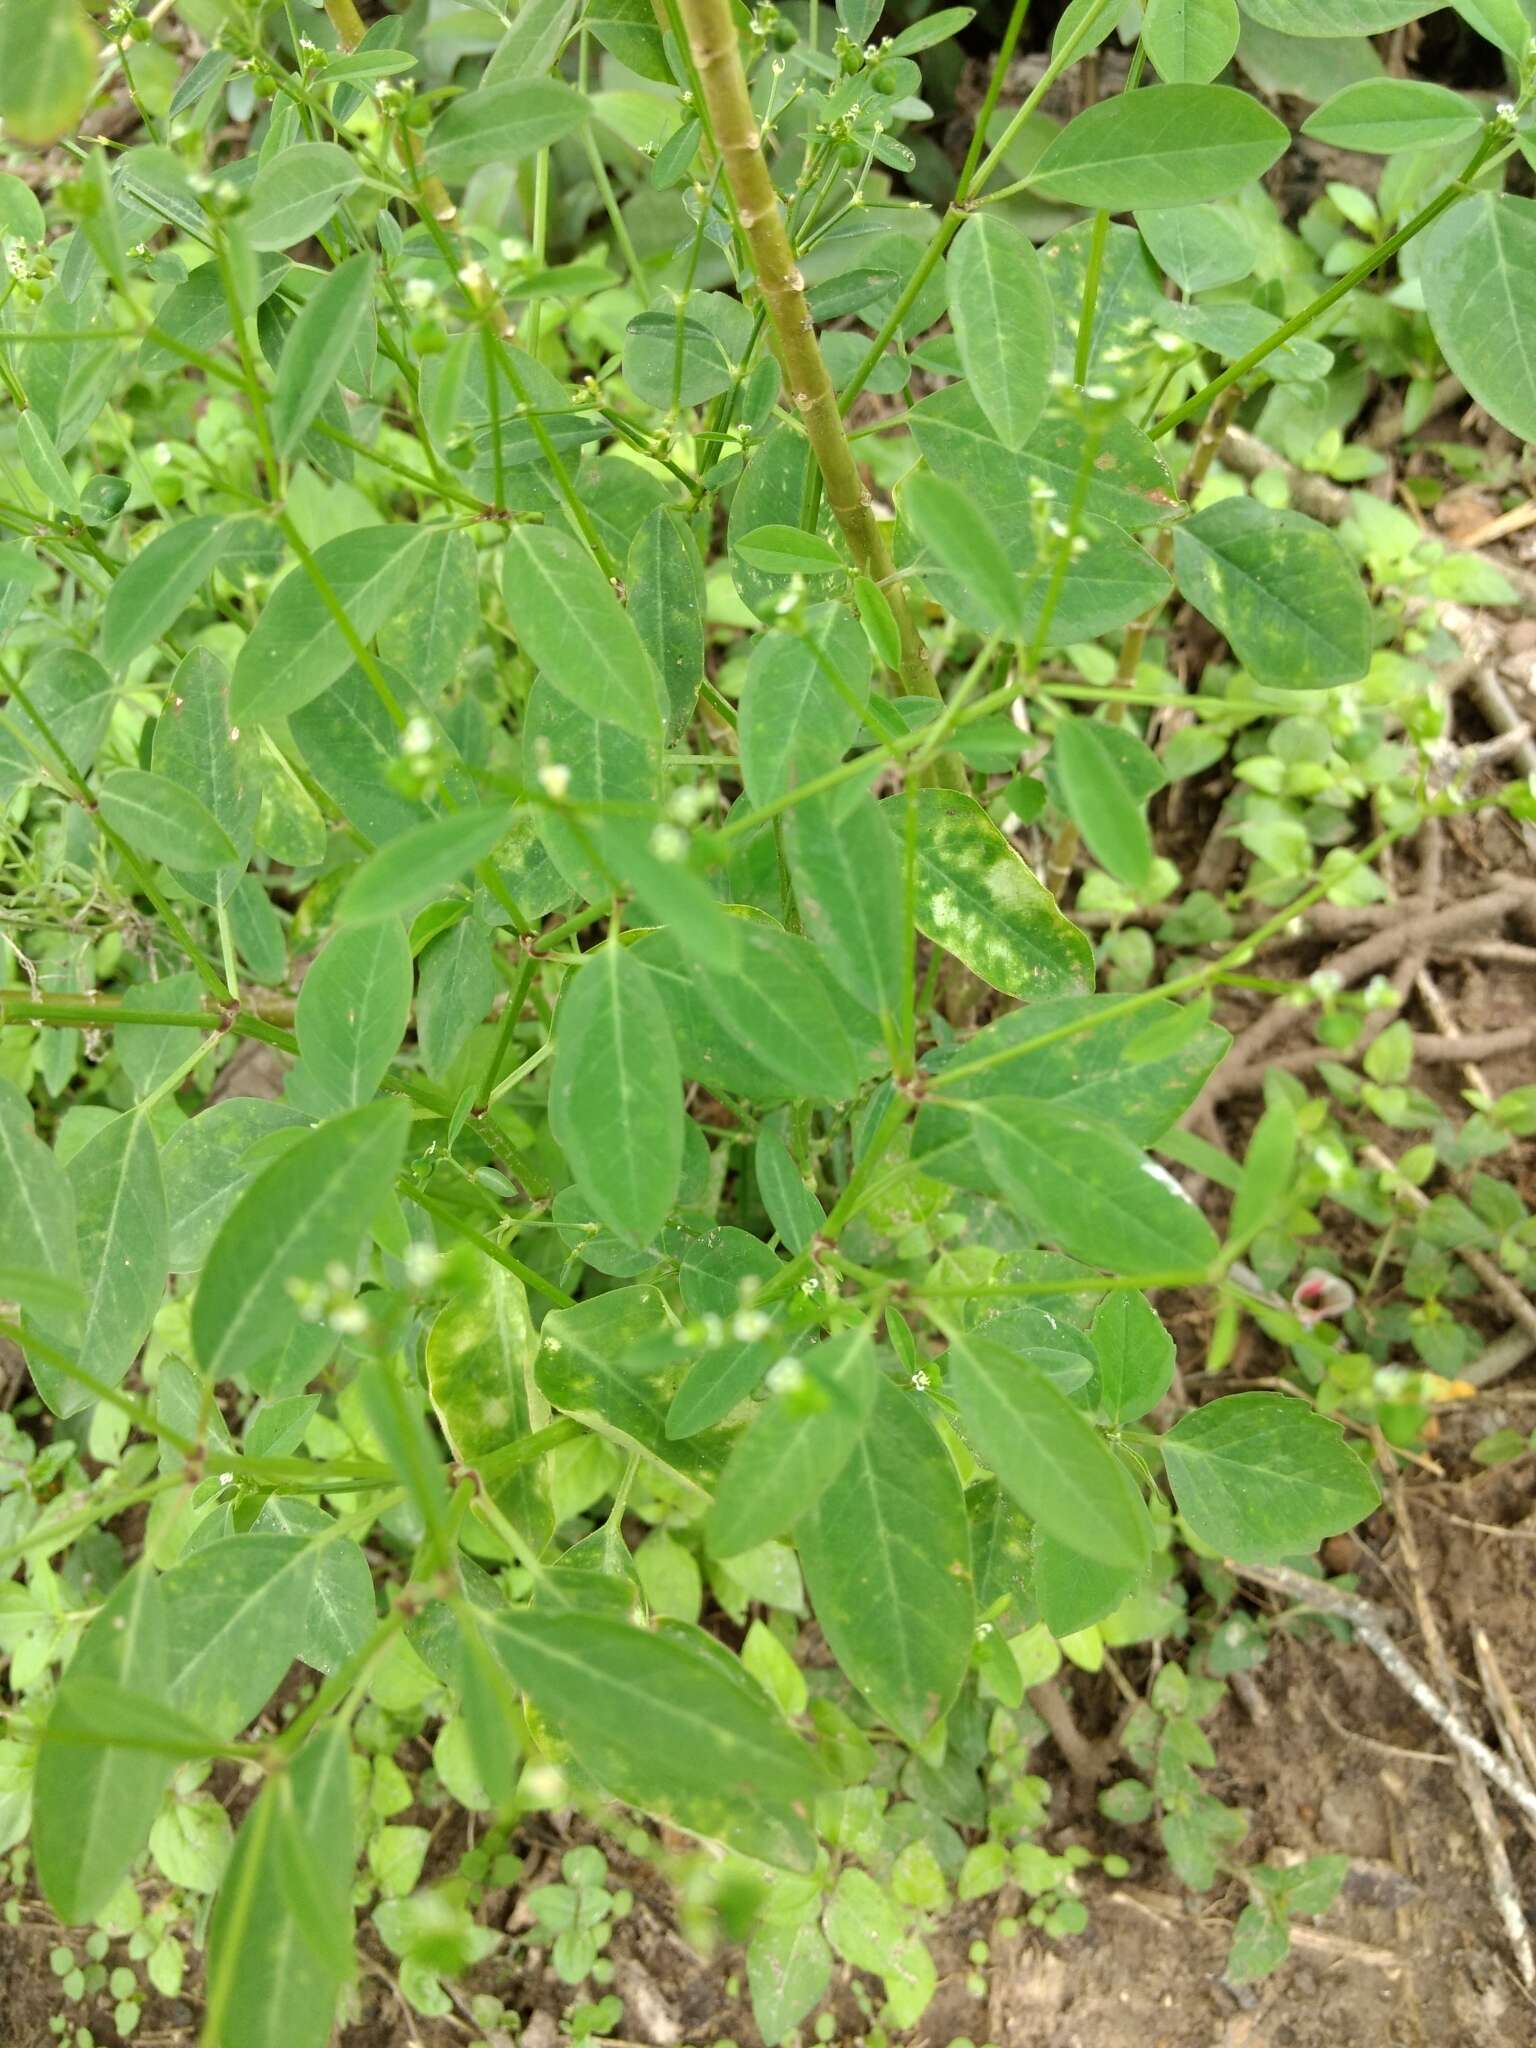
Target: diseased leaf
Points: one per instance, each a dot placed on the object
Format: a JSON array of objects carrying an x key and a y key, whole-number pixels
[
  {"x": 119, "y": 1204},
  {"x": 977, "y": 898},
  {"x": 1282, "y": 590},
  {"x": 479, "y": 1357}
]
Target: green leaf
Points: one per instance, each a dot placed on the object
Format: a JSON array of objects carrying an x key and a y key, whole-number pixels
[
  {"x": 1190, "y": 42},
  {"x": 788, "y": 551},
  {"x": 1386, "y": 114},
  {"x": 500, "y": 124},
  {"x": 773, "y": 1004},
  {"x": 439, "y": 615},
  {"x": 37, "y": 1202},
  {"x": 196, "y": 746},
  {"x": 45, "y": 466},
  {"x": 1052, "y": 1461},
  {"x": 1199, "y": 247},
  {"x": 789, "y": 1967},
  {"x": 159, "y": 818},
  {"x": 978, "y": 899},
  {"x": 1075, "y": 1591},
  {"x": 616, "y": 1100},
  {"x": 628, "y": 29},
  {"x": 800, "y": 703},
  {"x": 296, "y": 192},
  {"x": 1507, "y": 24},
  {"x": 946, "y": 521},
  {"x": 886, "y": 1551},
  {"x": 236, "y": 1611},
  {"x": 1479, "y": 276},
  {"x": 93, "y": 1805},
  {"x": 119, "y": 1203},
  {"x": 1105, "y": 793},
  {"x": 668, "y": 1722},
  {"x": 1135, "y": 1353},
  {"x": 847, "y": 872},
  {"x": 800, "y": 1440},
  {"x": 479, "y": 1357},
  {"x": 298, "y": 649},
  {"x": 671, "y": 360},
  {"x": 159, "y": 581},
  {"x": 455, "y": 986},
  {"x": 47, "y": 68},
  {"x": 576, "y": 633},
  {"x": 1264, "y": 1476},
  {"x": 532, "y": 43},
  {"x": 307, "y": 1210},
  {"x": 1334, "y": 17},
  {"x": 1000, "y": 305},
  {"x": 204, "y": 1167},
  {"x": 1087, "y": 1187},
  {"x": 74, "y": 695},
  {"x": 1127, "y": 481},
  {"x": 347, "y": 743},
  {"x": 1164, "y": 146},
  {"x": 280, "y": 1940},
  {"x": 1281, "y": 588},
  {"x": 317, "y": 347},
  {"x": 353, "y": 1009},
  {"x": 421, "y": 864},
  {"x": 666, "y": 602},
  {"x": 1089, "y": 1070},
  {"x": 792, "y": 1207},
  {"x": 339, "y": 1612}
]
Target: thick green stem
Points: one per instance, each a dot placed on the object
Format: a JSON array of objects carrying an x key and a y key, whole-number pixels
[
  {"x": 347, "y": 22},
  {"x": 723, "y": 83}
]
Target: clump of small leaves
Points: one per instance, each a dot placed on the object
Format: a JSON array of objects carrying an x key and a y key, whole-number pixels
[{"x": 553, "y": 1139}]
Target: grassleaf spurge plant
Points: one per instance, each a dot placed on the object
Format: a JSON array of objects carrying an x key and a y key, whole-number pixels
[{"x": 552, "y": 555}]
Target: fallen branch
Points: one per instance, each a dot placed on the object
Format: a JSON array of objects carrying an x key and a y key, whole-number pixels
[{"x": 1371, "y": 1626}]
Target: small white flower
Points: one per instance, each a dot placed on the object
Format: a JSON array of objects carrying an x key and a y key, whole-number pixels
[
  {"x": 226, "y": 1479},
  {"x": 555, "y": 780},
  {"x": 350, "y": 1320},
  {"x": 423, "y": 1263},
  {"x": 785, "y": 1375},
  {"x": 416, "y": 738},
  {"x": 748, "y": 1324},
  {"x": 473, "y": 278},
  {"x": 669, "y": 844},
  {"x": 920, "y": 1381}
]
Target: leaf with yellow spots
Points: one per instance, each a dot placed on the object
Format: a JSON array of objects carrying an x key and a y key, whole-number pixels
[{"x": 978, "y": 899}]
